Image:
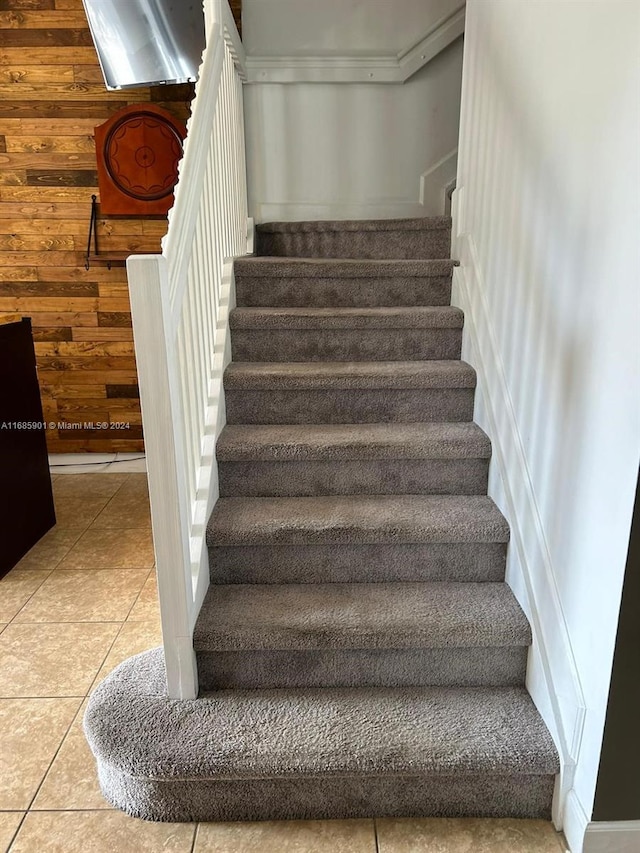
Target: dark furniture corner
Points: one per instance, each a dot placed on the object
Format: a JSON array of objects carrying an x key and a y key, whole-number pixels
[{"x": 26, "y": 502}]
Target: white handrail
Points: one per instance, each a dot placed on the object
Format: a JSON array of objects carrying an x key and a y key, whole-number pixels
[{"x": 180, "y": 302}]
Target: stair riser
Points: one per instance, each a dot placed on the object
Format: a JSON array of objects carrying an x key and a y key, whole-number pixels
[
  {"x": 420, "y": 244},
  {"x": 350, "y": 406},
  {"x": 516, "y": 795},
  {"x": 490, "y": 667},
  {"x": 345, "y": 345},
  {"x": 270, "y": 292},
  {"x": 357, "y": 477},
  {"x": 482, "y": 562}
]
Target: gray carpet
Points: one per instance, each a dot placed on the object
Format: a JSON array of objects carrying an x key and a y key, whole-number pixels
[
  {"x": 346, "y": 334},
  {"x": 354, "y": 477},
  {"x": 341, "y": 269},
  {"x": 426, "y": 237},
  {"x": 349, "y": 392},
  {"x": 356, "y": 520},
  {"x": 235, "y": 754},
  {"x": 352, "y": 441},
  {"x": 252, "y": 376},
  {"x": 470, "y": 666},
  {"x": 370, "y": 563},
  {"x": 332, "y": 459},
  {"x": 306, "y": 283},
  {"x": 360, "y": 635},
  {"x": 361, "y": 616},
  {"x": 359, "y": 653}
]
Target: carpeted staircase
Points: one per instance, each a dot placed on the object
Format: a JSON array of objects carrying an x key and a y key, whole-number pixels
[{"x": 359, "y": 653}]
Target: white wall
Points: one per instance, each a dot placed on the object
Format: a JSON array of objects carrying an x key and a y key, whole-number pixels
[
  {"x": 335, "y": 27},
  {"x": 333, "y": 150},
  {"x": 547, "y": 218}
]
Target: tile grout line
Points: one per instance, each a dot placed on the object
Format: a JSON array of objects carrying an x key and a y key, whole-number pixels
[
  {"x": 137, "y": 598},
  {"x": 84, "y": 621},
  {"x": 55, "y": 755},
  {"x": 95, "y": 517},
  {"x": 104, "y": 508},
  {"x": 60, "y": 696},
  {"x": 93, "y": 684},
  {"x": 21, "y": 608},
  {"x": 18, "y": 828}
]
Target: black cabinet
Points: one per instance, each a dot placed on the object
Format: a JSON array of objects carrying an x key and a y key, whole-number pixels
[{"x": 26, "y": 499}]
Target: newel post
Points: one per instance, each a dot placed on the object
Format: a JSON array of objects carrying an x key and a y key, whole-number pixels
[{"x": 155, "y": 346}]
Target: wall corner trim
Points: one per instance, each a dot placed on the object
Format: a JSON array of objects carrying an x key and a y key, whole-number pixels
[
  {"x": 435, "y": 181},
  {"x": 620, "y": 836},
  {"x": 380, "y": 68},
  {"x": 575, "y": 822}
]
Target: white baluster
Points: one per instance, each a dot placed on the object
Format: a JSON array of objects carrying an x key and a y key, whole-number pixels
[{"x": 180, "y": 303}]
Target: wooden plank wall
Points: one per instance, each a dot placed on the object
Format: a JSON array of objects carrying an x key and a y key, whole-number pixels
[
  {"x": 51, "y": 98},
  {"x": 236, "y": 9}
]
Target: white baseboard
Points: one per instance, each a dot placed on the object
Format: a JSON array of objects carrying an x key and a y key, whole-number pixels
[
  {"x": 621, "y": 836},
  {"x": 291, "y": 211},
  {"x": 97, "y": 463},
  {"x": 575, "y": 822},
  {"x": 431, "y": 201},
  {"x": 552, "y": 677}
]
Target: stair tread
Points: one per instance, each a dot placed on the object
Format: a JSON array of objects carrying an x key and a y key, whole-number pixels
[
  {"x": 421, "y": 223},
  {"x": 360, "y": 616},
  {"x": 317, "y": 732},
  {"x": 247, "y": 442},
  {"x": 270, "y": 266},
  {"x": 356, "y": 519},
  {"x": 431, "y": 317},
  {"x": 348, "y": 375}
]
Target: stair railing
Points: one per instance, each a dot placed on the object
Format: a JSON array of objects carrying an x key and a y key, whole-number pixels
[{"x": 180, "y": 301}]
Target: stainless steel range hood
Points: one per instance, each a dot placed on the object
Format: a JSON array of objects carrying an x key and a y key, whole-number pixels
[{"x": 146, "y": 42}]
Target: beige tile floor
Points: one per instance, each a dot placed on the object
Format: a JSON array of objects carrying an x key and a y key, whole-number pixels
[{"x": 79, "y": 603}]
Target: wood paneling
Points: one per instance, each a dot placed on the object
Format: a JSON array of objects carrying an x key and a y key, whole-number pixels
[
  {"x": 49, "y": 56},
  {"x": 66, "y": 91},
  {"x": 50, "y": 37},
  {"x": 236, "y": 9},
  {"x": 40, "y": 159},
  {"x": 55, "y": 145},
  {"x": 51, "y": 98},
  {"x": 67, "y": 19},
  {"x": 36, "y": 73},
  {"x": 60, "y": 108},
  {"x": 18, "y": 242},
  {"x": 27, "y": 127},
  {"x": 12, "y": 5},
  {"x": 102, "y": 334},
  {"x": 52, "y": 288}
]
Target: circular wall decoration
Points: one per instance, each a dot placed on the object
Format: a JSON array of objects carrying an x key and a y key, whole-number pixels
[{"x": 138, "y": 150}]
